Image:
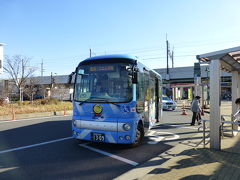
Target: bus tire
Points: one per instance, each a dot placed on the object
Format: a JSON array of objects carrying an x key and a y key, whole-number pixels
[
  {"x": 139, "y": 136},
  {"x": 78, "y": 141}
]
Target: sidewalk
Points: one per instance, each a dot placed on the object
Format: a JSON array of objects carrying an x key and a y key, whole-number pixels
[
  {"x": 200, "y": 163},
  {"x": 185, "y": 161},
  {"x": 188, "y": 161}
]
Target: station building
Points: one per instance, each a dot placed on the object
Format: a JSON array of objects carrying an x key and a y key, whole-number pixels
[{"x": 180, "y": 82}]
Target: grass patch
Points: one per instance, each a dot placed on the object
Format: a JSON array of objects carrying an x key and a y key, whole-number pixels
[{"x": 43, "y": 105}]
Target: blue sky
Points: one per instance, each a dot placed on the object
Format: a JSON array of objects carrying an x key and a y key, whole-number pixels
[{"x": 61, "y": 31}]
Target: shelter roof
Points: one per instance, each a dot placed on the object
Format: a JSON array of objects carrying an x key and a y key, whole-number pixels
[{"x": 230, "y": 58}]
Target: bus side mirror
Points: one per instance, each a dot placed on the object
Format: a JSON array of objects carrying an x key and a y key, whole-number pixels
[
  {"x": 71, "y": 77},
  {"x": 135, "y": 77}
]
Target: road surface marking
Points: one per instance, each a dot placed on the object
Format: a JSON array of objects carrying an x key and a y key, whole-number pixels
[
  {"x": 156, "y": 136},
  {"x": 34, "y": 145},
  {"x": 110, "y": 155},
  {"x": 38, "y": 118},
  {"x": 180, "y": 126}
]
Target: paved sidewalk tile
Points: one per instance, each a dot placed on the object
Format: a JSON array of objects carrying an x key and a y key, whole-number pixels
[{"x": 199, "y": 164}]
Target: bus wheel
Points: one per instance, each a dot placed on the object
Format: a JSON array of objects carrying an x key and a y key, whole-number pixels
[
  {"x": 78, "y": 141},
  {"x": 139, "y": 136}
]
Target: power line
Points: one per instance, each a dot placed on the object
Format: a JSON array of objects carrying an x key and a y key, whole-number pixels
[
  {"x": 141, "y": 50},
  {"x": 162, "y": 57}
]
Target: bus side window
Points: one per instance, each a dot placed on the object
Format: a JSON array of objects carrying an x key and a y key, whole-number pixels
[
  {"x": 140, "y": 85},
  {"x": 140, "y": 93}
]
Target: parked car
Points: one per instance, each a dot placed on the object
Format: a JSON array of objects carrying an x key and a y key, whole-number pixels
[{"x": 168, "y": 103}]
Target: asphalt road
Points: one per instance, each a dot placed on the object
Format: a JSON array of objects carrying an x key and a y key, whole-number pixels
[{"x": 44, "y": 149}]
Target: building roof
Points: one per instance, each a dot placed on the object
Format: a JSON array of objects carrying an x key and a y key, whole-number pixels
[
  {"x": 230, "y": 58},
  {"x": 45, "y": 80},
  {"x": 185, "y": 72}
]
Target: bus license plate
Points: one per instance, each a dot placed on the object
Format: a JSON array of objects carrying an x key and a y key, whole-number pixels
[{"x": 98, "y": 137}]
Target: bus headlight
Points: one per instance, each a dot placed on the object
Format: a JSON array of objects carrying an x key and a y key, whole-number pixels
[{"x": 126, "y": 127}]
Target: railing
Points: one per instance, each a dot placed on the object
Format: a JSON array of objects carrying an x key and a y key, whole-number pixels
[
  {"x": 232, "y": 122},
  {"x": 222, "y": 129},
  {"x": 204, "y": 127}
]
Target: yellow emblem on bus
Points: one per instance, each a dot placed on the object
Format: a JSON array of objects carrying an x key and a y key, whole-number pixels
[{"x": 97, "y": 108}]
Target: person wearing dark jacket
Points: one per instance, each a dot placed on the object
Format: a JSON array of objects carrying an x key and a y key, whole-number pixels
[{"x": 196, "y": 110}]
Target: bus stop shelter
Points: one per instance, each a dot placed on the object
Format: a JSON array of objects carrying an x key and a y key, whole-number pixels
[{"x": 226, "y": 60}]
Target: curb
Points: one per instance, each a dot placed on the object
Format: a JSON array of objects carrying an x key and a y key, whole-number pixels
[{"x": 35, "y": 115}]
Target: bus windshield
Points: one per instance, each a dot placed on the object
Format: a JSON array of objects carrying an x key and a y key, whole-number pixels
[{"x": 104, "y": 83}]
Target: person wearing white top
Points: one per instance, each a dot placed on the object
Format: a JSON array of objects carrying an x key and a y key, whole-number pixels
[{"x": 196, "y": 109}]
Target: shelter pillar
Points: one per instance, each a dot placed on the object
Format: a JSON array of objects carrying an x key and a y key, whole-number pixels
[
  {"x": 238, "y": 84},
  {"x": 235, "y": 95},
  {"x": 235, "y": 90},
  {"x": 215, "y": 104},
  {"x": 174, "y": 93},
  {"x": 181, "y": 92}
]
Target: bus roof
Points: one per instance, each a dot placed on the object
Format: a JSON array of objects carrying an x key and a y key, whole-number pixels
[
  {"x": 121, "y": 57},
  {"x": 129, "y": 58}
]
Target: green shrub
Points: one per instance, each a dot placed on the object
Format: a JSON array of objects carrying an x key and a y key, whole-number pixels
[
  {"x": 26, "y": 102},
  {"x": 19, "y": 103},
  {"x": 46, "y": 101}
]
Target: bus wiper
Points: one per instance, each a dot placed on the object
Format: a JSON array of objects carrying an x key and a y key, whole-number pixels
[
  {"x": 99, "y": 98},
  {"x": 105, "y": 100},
  {"x": 86, "y": 100}
]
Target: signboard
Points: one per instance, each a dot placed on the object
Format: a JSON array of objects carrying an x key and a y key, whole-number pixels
[
  {"x": 1, "y": 58},
  {"x": 197, "y": 70},
  {"x": 189, "y": 93},
  {"x": 101, "y": 68}
]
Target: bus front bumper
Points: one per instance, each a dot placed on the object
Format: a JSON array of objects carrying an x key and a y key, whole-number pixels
[{"x": 107, "y": 132}]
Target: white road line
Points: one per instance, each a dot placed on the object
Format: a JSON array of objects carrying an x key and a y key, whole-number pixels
[
  {"x": 34, "y": 145},
  {"x": 37, "y": 118},
  {"x": 110, "y": 155},
  {"x": 180, "y": 126}
]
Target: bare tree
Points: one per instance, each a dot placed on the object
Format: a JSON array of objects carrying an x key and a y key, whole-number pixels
[
  {"x": 19, "y": 70},
  {"x": 31, "y": 87}
]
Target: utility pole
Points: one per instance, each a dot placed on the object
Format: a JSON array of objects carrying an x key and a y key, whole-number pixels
[
  {"x": 42, "y": 70},
  {"x": 167, "y": 75},
  {"x": 172, "y": 56},
  {"x": 90, "y": 51},
  {"x": 167, "y": 56},
  {"x": 51, "y": 86}
]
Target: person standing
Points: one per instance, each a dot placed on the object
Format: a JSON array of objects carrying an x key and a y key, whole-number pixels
[{"x": 196, "y": 110}]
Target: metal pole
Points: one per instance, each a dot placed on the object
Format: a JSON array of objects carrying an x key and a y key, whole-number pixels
[
  {"x": 204, "y": 134},
  {"x": 42, "y": 68},
  {"x": 167, "y": 57}
]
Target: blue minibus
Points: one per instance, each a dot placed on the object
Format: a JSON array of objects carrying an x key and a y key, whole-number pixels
[{"x": 116, "y": 100}]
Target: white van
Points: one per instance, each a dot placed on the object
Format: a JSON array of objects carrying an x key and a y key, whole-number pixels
[{"x": 168, "y": 103}]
